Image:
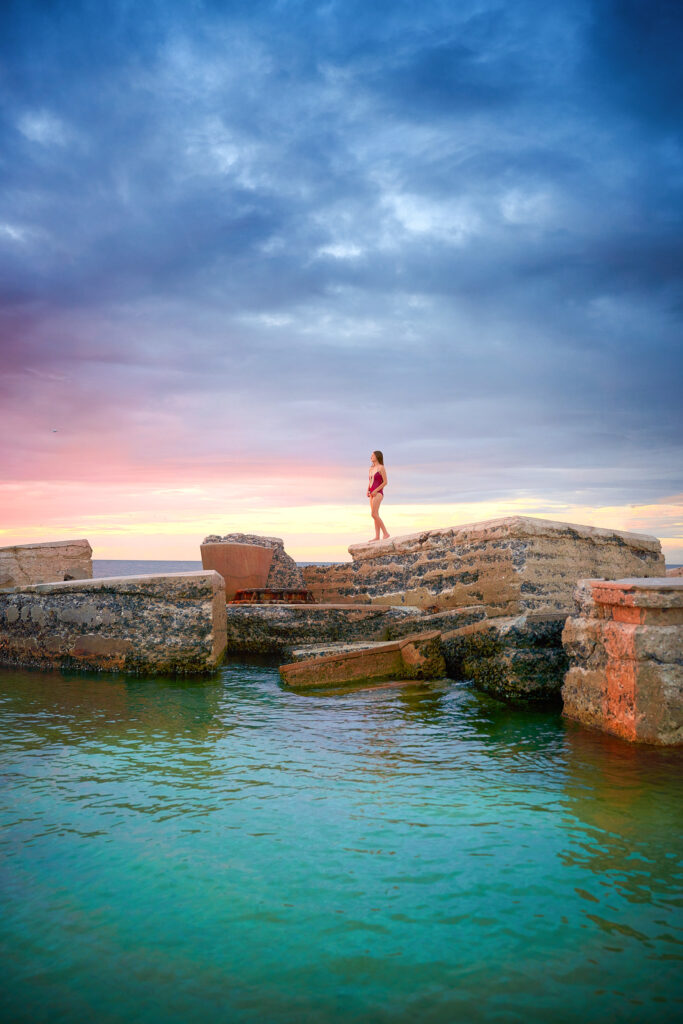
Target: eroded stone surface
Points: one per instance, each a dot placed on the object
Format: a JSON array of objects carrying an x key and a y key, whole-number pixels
[
  {"x": 284, "y": 572},
  {"x": 24, "y": 564},
  {"x": 141, "y": 624},
  {"x": 517, "y": 659},
  {"x": 625, "y": 646},
  {"x": 278, "y": 628},
  {"x": 505, "y": 566}
]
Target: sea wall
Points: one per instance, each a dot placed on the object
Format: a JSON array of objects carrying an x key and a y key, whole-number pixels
[
  {"x": 162, "y": 624},
  {"x": 507, "y": 566},
  {"x": 24, "y": 564},
  {"x": 625, "y": 646}
]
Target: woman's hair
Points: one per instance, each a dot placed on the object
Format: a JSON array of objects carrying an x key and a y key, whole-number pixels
[{"x": 379, "y": 457}]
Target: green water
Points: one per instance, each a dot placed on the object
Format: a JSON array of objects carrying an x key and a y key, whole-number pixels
[{"x": 227, "y": 851}]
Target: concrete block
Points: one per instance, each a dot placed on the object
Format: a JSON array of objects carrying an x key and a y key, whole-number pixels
[
  {"x": 414, "y": 657},
  {"x": 625, "y": 647},
  {"x": 506, "y": 566},
  {"x": 155, "y": 624},
  {"x": 24, "y": 564}
]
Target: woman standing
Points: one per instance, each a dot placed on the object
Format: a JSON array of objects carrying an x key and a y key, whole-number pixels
[{"x": 377, "y": 481}]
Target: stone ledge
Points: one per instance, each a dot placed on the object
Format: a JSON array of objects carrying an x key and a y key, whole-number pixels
[
  {"x": 25, "y": 564},
  {"x": 496, "y": 529},
  {"x": 651, "y": 592},
  {"x": 507, "y": 566},
  {"x": 147, "y": 583},
  {"x": 278, "y": 628},
  {"x": 44, "y": 545}
]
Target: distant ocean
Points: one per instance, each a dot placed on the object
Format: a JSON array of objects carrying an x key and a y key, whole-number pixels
[{"x": 102, "y": 567}]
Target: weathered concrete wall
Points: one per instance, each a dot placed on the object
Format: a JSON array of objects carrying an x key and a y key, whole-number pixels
[
  {"x": 519, "y": 660},
  {"x": 625, "y": 646},
  {"x": 506, "y": 566},
  {"x": 141, "y": 624},
  {"x": 276, "y": 628},
  {"x": 284, "y": 572},
  {"x": 24, "y": 564}
]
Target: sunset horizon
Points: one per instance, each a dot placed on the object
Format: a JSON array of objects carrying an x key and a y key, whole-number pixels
[{"x": 239, "y": 250}]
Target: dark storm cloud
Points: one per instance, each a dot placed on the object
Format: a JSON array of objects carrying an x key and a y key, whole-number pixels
[{"x": 472, "y": 212}]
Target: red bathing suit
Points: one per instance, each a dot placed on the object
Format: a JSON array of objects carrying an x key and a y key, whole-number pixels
[{"x": 373, "y": 487}]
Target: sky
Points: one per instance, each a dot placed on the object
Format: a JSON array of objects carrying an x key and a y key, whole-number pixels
[{"x": 243, "y": 244}]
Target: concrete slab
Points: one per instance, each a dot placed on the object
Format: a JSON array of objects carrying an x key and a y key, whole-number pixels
[{"x": 413, "y": 657}]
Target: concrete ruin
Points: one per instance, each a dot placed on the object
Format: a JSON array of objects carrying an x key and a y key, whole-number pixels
[
  {"x": 24, "y": 564},
  {"x": 240, "y": 565},
  {"x": 508, "y": 566},
  {"x": 625, "y": 646},
  {"x": 278, "y": 628},
  {"x": 413, "y": 657},
  {"x": 283, "y": 571},
  {"x": 157, "y": 624},
  {"x": 515, "y": 659}
]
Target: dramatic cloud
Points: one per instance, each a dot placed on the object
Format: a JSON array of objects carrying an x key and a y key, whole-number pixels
[{"x": 248, "y": 240}]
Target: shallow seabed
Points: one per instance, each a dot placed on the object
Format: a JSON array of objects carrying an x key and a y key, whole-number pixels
[{"x": 227, "y": 851}]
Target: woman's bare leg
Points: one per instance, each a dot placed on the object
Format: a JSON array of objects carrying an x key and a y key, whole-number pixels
[{"x": 379, "y": 525}]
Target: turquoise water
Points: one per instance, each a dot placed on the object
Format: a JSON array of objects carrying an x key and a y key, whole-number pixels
[{"x": 223, "y": 850}]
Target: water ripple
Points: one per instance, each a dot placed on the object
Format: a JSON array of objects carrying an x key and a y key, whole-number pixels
[{"x": 400, "y": 853}]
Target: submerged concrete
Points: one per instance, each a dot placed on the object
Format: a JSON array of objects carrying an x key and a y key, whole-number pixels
[
  {"x": 625, "y": 645},
  {"x": 141, "y": 624},
  {"x": 416, "y": 657},
  {"x": 516, "y": 659}
]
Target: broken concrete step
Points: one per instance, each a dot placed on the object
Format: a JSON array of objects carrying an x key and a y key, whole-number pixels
[
  {"x": 308, "y": 651},
  {"x": 413, "y": 657}
]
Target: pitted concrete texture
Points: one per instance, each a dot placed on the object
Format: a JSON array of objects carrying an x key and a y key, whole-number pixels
[
  {"x": 519, "y": 660},
  {"x": 278, "y": 628},
  {"x": 283, "y": 573},
  {"x": 323, "y": 650},
  {"x": 24, "y": 564},
  {"x": 625, "y": 646},
  {"x": 413, "y": 657},
  {"x": 505, "y": 566},
  {"x": 161, "y": 624}
]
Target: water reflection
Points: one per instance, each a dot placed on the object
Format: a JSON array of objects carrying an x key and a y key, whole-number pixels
[
  {"x": 72, "y": 706},
  {"x": 623, "y": 804}
]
